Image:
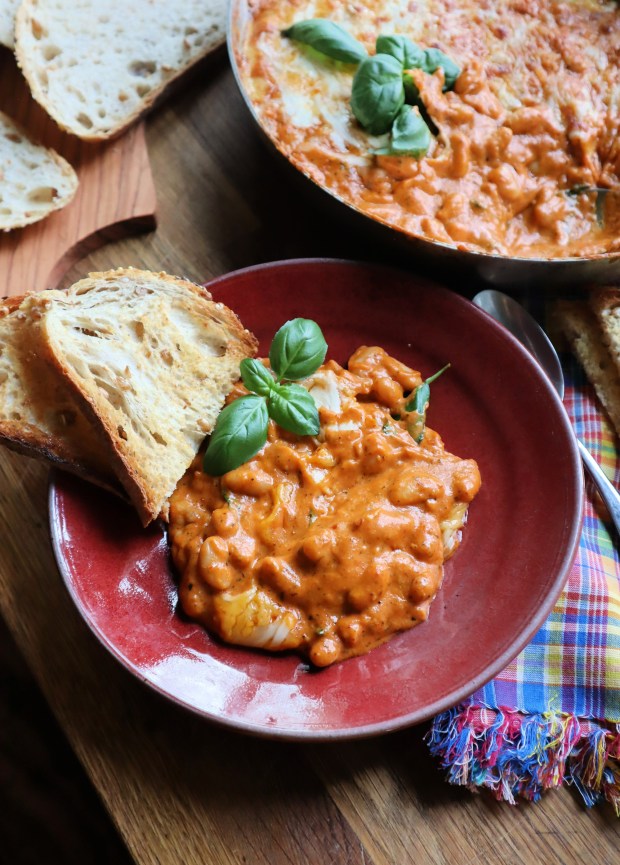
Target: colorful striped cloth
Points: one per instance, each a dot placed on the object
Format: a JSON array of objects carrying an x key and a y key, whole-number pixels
[{"x": 553, "y": 715}]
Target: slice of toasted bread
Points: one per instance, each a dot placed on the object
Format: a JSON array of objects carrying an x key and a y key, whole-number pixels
[
  {"x": 34, "y": 180},
  {"x": 580, "y": 326},
  {"x": 606, "y": 305},
  {"x": 8, "y": 8},
  {"x": 95, "y": 67},
  {"x": 151, "y": 359},
  {"x": 38, "y": 415}
]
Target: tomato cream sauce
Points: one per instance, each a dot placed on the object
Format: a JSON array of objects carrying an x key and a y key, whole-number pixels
[
  {"x": 533, "y": 118},
  {"x": 325, "y": 545}
]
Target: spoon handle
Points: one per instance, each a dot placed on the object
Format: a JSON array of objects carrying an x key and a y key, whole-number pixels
[{"x": 609, "y": 493}]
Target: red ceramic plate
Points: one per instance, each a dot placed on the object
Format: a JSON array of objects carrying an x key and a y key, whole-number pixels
[{"x": 494, "y": 405}]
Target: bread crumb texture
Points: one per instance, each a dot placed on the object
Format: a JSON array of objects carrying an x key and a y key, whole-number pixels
[
  {"x": 96, "y": 66},
  {"x": 34, "y": 181},
  {"x": 8, "y": 8},
  {"x": 152, "y": 358}
]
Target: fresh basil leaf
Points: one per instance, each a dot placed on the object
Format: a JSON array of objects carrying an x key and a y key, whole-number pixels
[
  {"x": 240, "y": 432},
  {"x": 418, "y": 405},
  {"x": 298, "y": 349},
  {"x": 328, "y": 38},
  {"x": 294, "y": 409},
  {"x": 420, "y": 399},
  {"x": 410, "y": 135},
  {"x": 436, "y": 59},
  {"x": 256, "y": 376},
  {"x": 378, "y": 93},
  {"x": 403, "y": 49}
]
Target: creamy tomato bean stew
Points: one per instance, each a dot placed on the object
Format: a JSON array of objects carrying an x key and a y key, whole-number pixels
[
  {"x": 329, "y": 544},
  {"x": 519, "y": 153}
]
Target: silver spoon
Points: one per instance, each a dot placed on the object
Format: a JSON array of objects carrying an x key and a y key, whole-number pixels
[{"x": 526, "y": 329}]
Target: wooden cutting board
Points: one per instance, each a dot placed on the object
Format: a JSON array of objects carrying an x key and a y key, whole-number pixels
[{"x": 116, "y": 195}]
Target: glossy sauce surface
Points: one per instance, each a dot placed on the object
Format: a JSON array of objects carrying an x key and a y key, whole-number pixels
[
  {"x": 325, "y": 545},
  {"x": 533, "y": 119}
]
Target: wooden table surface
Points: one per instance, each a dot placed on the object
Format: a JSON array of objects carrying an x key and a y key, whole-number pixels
[{"x": 178, "y": 789}]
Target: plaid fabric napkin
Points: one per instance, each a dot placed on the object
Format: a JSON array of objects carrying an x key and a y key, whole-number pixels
[{"x": 553, "y": 715}]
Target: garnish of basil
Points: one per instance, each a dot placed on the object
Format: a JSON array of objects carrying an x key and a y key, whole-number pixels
[
  {"x": 256, "y": 377},
  {"x": 417, "y": 406},
  {"x": 436, "y": 59},
  {"x": 294, "y": 409},
  {"x": 328, "y": 38},
  {"x": 408, "y": 54},
  {"x": 378, "y": 93},
  {"x": 240, "y": 432},
  {"x": 410, "y": 135},
  {"x": 298, "y": 350}
]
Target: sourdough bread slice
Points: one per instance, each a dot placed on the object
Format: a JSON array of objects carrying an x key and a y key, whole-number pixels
[
  {"x": 580, "y": 326},
  {"x": 38, "y": 414},
  {"x": 606, "y": 305},
  {"x": 34, "y": 180},
  {"x": 151, "y": 359},
  {"x": 8, "y": 8},
  {"x": 95, "y": 67}
]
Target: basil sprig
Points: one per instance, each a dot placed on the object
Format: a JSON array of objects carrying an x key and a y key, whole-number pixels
[
  {"x": 410, "y": 135},
  {"x": 378, "y": 93},
  {"x": 417, "y": 406},
  {"x": 298, "y": 349},
  {"x": 328, "y": 38},
  {"x": 408, "y": 54},
  {"x": 382, "y": 86}
]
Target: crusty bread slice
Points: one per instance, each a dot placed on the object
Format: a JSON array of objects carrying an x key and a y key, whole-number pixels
[
  {"x": 580, "y": 326},
  {"x": 8, "y": 8},
  {"x": 151, "y": 359},
  {"x": 38, "y": 415},
  {"x": 95, "y": 67},
  {"x": 606, "y": 305},
  {"x": 34, "y": 180}
]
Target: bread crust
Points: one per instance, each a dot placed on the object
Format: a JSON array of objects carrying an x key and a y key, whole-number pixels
[
  {"x": 24, "y": 22},
  {"x": 18, "y": 323},
  {"x": 147, "y": 500},
  {"x": 65, "y": 169}
]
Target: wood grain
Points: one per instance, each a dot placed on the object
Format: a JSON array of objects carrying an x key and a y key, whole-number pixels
[
  {"x": 115, "y": 197},
  {"x": 181, "y": 790}
]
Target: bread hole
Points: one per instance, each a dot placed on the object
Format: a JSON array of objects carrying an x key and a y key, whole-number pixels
[
  {"x": 73, "y": 61},
  {"x": 167, "y": 357},
  {"x": 43, "y": 195},
  {"x": 142, "y": 68},
  {"x": 14, "y": 137},
  {"x": 159, "y": 439},
  {"x": 142, "y": 90},
  {"x": 84, "y": 120},
  {"x": 189, "y": 31},
  {"x": 121, "y": 432},
  {"x": 122, "y": 96},
  {"x": 139, "y": 329},
  {"x": 104, "y": 19},
  {"x": 87, "y": 332},
  {"x": 50, "y": 52},
  {"x": 43, "y": 79},
  {"x": 5, "y": 211},
  {"x": 101, "y": 112},
  {"x": 38, "y": 30},
  {"x": 15, "y": 415}
]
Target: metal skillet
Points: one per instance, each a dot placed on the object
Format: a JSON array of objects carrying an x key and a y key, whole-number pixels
[{"x": 445, "y": 262}]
